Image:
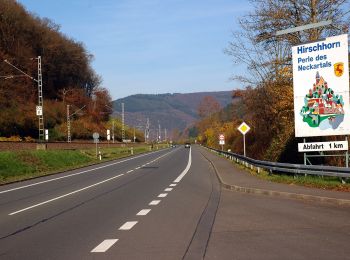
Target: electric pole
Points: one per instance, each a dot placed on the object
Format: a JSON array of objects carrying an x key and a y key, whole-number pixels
[
  {"x": 113, "y": 130},
  {"x": 40, "y": 102},
  {"x": 69, "y": 140},
  {"x": 159, "y": 132},
  {"x": 123, "y": 127},
  {"x": 40, "y": 106},
  {"x": 147, "y": 131}
]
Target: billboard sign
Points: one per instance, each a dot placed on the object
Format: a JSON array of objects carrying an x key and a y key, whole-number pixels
[{"x": 321, "y": 87}]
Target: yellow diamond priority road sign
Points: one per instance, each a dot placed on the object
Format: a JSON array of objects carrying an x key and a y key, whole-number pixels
[{"x": 244, "y": 128}]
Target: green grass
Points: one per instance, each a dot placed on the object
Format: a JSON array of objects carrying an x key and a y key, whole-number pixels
[
  {"x": 21, "y": 165},
  {"x": 327, "y": 183}
]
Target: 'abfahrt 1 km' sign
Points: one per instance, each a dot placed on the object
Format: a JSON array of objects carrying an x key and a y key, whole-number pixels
[
  {"x": 323, "y": 146},
  {"x": 321, "y": 87}
]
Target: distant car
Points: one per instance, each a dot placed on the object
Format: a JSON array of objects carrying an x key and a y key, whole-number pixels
[{"x": 187, "y": 145}]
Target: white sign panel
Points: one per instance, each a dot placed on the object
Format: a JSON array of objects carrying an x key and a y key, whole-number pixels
[
  {"x": 323, "y": 146},
  {"x": 321, "y": 87},
  {"x": 39, "y": 110},
  {"x": 95, "y": 135},
  {"x": 46, "y": 134},
  {"x": 222, "y": 142},
  {"x": 108, "y": 135}
]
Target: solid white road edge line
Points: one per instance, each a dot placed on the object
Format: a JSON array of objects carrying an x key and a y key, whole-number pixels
[
  {"x": 154, "y": 202},
  {"x": 65, "y": 195},
  {"x": 143, "y": 212},
  {"x": 128, "y": 225},
  {"x": 104, "y": 246},
  {"x": 179, "y": 178},
  {"x": 78, "y": 173}
]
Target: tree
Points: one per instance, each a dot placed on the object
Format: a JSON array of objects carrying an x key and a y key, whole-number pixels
[
  {"x": 268, "y": 99},
  {"x": 208, "y": 106},
  {"x": 66, "y": 67},
  {"x": 267, "y": 55}
]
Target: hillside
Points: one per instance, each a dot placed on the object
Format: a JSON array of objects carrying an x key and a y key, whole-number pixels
[
  {"x": 173, "y": 111},
  {"x": 67, "y": 78}
]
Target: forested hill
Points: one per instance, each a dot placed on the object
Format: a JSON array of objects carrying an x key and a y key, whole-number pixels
[
  {"x": 173, "y": 111},
  {"x": 68, "y": 78}
]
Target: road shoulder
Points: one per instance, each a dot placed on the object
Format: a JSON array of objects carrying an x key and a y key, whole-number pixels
[{"x": 233, "y": 178}]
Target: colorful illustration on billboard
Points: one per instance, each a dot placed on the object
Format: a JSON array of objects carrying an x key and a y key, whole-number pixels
[
  {"x": 323, "y": 107},
  {"x": 321, "y": 87}
]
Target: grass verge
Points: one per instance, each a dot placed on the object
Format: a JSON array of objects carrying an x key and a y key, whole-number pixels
[
  {"x": 22, "y": 165},
  {"x": 320, "y": 182}
]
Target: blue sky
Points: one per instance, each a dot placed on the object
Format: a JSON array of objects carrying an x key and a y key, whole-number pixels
[{"x": 152, "y": 46}]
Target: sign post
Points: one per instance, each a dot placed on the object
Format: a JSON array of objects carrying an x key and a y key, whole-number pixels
[
  {"x": 222, "y": 141},
  {"x": 244, "y": 128},
  {"x": 96, "y": 137}
]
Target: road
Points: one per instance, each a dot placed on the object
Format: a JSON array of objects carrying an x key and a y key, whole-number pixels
[
  {"x": 154, "y": 206},
  {"x": 163, "y": 205}
]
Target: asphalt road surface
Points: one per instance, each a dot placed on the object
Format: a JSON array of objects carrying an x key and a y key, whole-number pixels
[
  {"x": 164, "y": 205},
  {"x": 155, "y": 206}
]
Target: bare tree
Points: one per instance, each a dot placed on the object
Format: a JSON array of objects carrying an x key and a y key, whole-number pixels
[{"x": 266, "y": 55}]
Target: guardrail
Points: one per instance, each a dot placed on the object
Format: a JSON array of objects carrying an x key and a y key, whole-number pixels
[{"x": 286, "y": 168}]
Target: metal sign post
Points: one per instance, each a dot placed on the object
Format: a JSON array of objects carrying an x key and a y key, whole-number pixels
[{"x": 96, "y": 137}]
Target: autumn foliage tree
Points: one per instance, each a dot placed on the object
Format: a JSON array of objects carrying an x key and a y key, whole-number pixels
[
  {"x": 266, "y": 104},
  {"x": 68, "y": 78}
]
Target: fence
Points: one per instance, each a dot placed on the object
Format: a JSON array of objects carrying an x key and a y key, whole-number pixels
[{"x": 286, "y": 168}]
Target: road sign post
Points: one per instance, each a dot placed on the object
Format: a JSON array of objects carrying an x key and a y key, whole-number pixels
[
  {"x": 222, "y": 141},
  {"x": 96, "y": 136},
  {"x": 244, "y": 128}
]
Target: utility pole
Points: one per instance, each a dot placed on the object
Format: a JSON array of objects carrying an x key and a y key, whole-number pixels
[
  {"x": 147, "y": 131},
  {"x": 159, "y": 132},
  {"x": 40, "y": 102},
  {"x": 40, "y": 106},
  {"x": 113, "y": 130},
  {"x": 123, "y": 127},
  {"x": 165, "y": 137},
  {"x": 134, "y": 135},
  {"x": 69, "y": 140}
]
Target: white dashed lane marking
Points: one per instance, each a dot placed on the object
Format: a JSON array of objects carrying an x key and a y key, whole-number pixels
[
  {"x": 65, "y": 195},
  {"x": 172, "y": 185},
  {"x": 162, "y": 195},
  {"x": 154, "y": 202},
  {"x": 104, "y": 246},
  {"x": 143, "y": 212},
  {"x": 128, "y": 225},
  {"x": 168, "y": 189}
]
